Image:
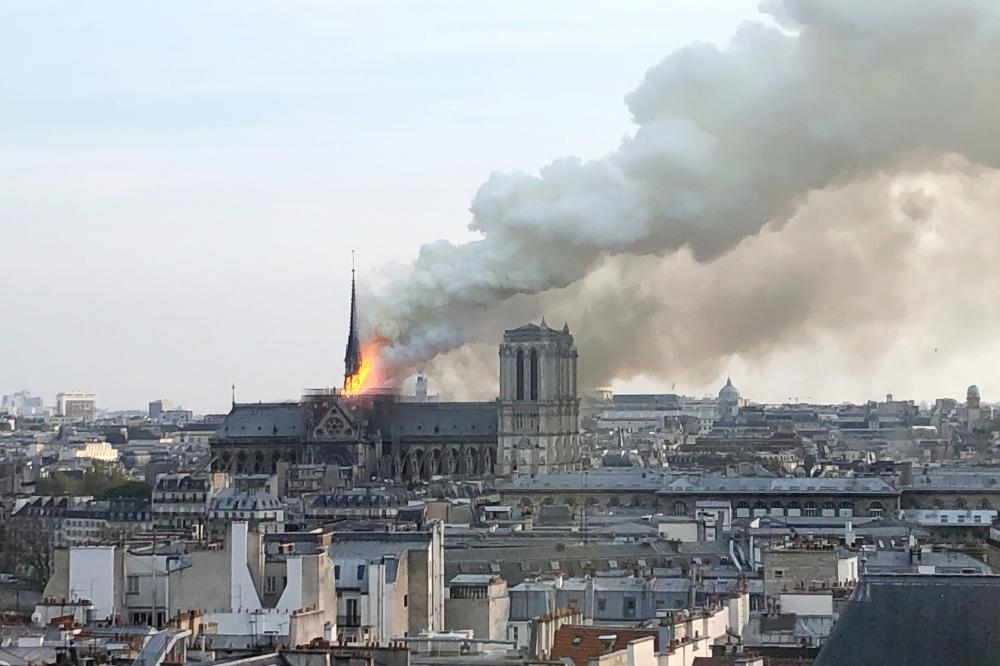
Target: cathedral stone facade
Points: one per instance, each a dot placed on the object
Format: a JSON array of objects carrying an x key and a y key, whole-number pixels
[
  {"x": 321, "y": 429},
  {"x": 533, "y": 428},
  {"x": 538, "y": 408},
  {"x": 422, "y": 440}
]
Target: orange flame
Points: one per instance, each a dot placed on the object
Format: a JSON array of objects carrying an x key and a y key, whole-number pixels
[{"x": 365, "y": 377}]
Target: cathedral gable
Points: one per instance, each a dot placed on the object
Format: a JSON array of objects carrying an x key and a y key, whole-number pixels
[{"x": 336, "y": 423}]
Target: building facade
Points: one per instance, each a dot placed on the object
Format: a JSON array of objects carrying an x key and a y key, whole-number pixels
[
  {"x": 686, "y": 495},
  {"x": 539, "y": 411},
  {"x": 389, "y": 584},
  {"x": 421, "y": 440},
  {"x": 479, "y": 602},
  {"x": 76, "y": 405},
  {"x": 320, "y": 429},
  {"x": 181, "y": 501},
  {"x": 533, "y": 428},
  {"x": 257, "y": 589}
]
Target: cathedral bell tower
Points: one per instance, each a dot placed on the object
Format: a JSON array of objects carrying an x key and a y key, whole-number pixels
[{"x": 539, "y": 412}]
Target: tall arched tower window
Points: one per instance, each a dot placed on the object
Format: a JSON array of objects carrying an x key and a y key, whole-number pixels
[
  {"x": 534, "y": 375},
  {"x": 519, "y": 371}
]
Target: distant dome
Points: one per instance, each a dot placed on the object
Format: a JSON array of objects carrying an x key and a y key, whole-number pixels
[
  {"x": 973, "y": 392},
  {"x": 729, "y": 393}
]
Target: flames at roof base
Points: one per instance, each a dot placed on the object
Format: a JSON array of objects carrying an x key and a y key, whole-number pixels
[{"x": 366, "y": 376}]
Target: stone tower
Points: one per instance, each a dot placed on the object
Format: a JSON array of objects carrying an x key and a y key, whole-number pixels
[{"x": 539, "y": 414}]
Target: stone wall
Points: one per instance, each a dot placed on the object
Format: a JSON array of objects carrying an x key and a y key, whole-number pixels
[{"x": 789, "y": 570}]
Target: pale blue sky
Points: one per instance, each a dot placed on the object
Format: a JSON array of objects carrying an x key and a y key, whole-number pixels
[{"x": 181, "y": 183}]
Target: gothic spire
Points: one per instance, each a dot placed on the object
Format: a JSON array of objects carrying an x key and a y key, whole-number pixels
[{"x": 352, "y": 359}]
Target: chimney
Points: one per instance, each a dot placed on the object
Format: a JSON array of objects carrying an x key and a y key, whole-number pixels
[{"x": 906, "y": 474}]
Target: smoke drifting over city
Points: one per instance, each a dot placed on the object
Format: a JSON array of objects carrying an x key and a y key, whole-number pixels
[{"x": 776, "y": 190}]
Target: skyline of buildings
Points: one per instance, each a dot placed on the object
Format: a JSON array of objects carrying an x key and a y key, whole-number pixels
[
  {"x": 540, "y": 525},
  {"x": 761, "y": 430}
]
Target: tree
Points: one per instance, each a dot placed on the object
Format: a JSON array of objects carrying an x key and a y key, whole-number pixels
[
  {"x": 127, "y": 489},
  {"x": 26, "y": 551},
  {"x": 36, "y": 557},
  {"x": 97, "y": 481}
]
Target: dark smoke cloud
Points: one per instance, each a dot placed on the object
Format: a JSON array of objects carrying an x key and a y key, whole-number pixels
[{"x": 655, "y": 253}]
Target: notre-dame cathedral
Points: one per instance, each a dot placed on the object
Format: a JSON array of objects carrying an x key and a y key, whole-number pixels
[
  {"x": 538, "y": 410},
  {"x": 532, "y": 428}
]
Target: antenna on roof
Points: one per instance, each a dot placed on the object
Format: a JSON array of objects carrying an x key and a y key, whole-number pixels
[{"x": 234, "y": 396}]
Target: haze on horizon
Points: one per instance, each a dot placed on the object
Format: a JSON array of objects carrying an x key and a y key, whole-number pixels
[{"x": 181, "y": 186}]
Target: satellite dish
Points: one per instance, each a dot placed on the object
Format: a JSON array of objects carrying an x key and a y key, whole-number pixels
[{"x": 36, "y": 617}]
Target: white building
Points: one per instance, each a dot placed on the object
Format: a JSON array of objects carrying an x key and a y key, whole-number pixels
[
  {"x": 97, "y": 450},
  {"x": 21, "y": 403},
  {"x": 76, "y": 405},
  {"x": 478, "y": 602},
  {"x": 954, "y": 517},
  {"x": 252, "y": 595},
  {"x": 389, "y": 584}
]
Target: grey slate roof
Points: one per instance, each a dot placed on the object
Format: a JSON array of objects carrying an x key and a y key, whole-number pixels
[
  {"x": 666, "y": 400},
  {"x": 472, "y": 579},
  {"x": 674, "y": 483},
  {"x": 899, "y": 561},
  {"x": 228, "y": 499},
  {"x": 763, "y": 485},
  {"x": 957, "y": 478},
  {"x": 519, "y": 559},
  {"x": 188, "y": 482},
  {"x": 345, "y": 554},
  {"x": 262, "y": 420},
  {"x": 918, "y": 621},
  {"x": 365, "y": 550},
  {"x": 365, "y": 497},
  {"x": 620, "y": 478},
  {"x": 18, "y": 656},
  {"x": 436, "y": 419}
]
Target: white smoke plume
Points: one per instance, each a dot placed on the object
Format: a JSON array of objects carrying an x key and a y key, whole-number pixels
[{"x": 840, "y": 98}]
